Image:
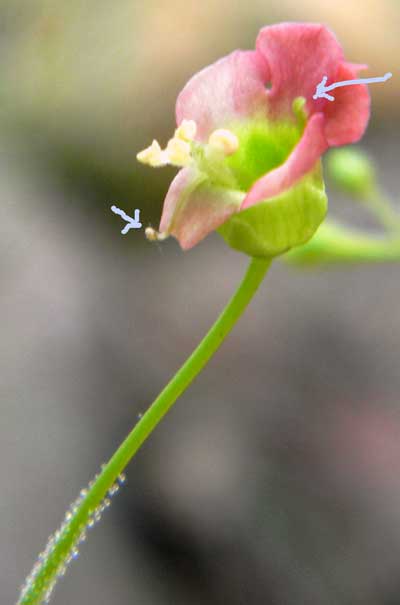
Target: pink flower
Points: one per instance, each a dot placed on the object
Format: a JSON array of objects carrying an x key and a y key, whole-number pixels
[{"x": 250, "y": 130}]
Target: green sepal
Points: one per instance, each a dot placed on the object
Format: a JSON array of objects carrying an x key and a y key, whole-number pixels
[{"x": 273, "y": 227}]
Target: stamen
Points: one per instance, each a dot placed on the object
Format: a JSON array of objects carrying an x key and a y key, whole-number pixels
[
  {"x": 186, "y": 130},
  {"x": 224, "y": 140},
  {"x": 178, "y": 152},
  {"x": 299, "y": 110},
  {"x": 155, "y": 236},
  {"x": 153, "y": 155}
]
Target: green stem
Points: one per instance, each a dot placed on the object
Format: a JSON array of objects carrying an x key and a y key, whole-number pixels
[
  {"x": 62, "y": 544},
  {"x": 383, "y": 210},
  {"x": 335, "y": 244}
]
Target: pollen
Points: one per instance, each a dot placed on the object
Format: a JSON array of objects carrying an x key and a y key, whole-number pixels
[
  {"x": 224, "y": 140},
  {"x": 186, "y": 130},
  {"x": 153, "y": 155}
]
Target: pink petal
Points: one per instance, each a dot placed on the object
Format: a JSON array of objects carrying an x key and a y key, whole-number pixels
[
  {"x": 301, "y": 160},
  {"x": 298, "y": 55},
  {"x": 347, "y": 116},
  {"x": 233, "y": 86},
  {"x": 193, "y": 207},
  {"x": 182, "y": 181}
]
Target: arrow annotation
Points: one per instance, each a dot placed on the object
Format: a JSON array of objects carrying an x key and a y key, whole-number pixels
[
  {"x": 321, "y": 90},
  {"x": 132, "y": 223}
]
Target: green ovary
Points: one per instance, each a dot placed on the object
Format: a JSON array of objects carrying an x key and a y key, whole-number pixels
[
  {"x": 289, "y": 219},
  {"x": 262, "y": 147}
]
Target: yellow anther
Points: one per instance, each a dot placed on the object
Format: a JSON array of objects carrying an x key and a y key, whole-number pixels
[
  {"x": 186, "y": 130},
  {"x": 224, "y": 140},
  {"x": 153, "y": 155},
  {"x": 178, "y": 152},
  {"x": 153, "y": 235}
]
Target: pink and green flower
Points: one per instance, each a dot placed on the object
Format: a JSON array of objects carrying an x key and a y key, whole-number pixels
[{"x": 249, "y": 140}]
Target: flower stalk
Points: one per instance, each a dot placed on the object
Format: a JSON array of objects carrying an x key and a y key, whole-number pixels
[
  {"x": 334, "y": 244},
  {"x": 381, "y": 207},
  {"x": 62, "y": 546}
]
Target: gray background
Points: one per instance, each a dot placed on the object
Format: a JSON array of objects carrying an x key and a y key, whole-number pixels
[{"x": 275, "y": 479}]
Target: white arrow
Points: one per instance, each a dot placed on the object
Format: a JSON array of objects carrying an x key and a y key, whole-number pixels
[
  {"x": 132, "y": 223},
  {"x": 321, "y": 90}
]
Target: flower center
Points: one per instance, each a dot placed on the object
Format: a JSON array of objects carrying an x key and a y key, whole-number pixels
[
  {"x": 234, "y": 158},
  {"x": 262, "y": 147}
]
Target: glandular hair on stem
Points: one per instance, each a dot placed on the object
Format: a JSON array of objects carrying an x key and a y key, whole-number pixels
[{"x": 40, "y": 583}]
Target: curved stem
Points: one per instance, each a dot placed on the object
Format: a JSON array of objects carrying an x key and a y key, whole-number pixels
[
  {"x": 64, "y": 542},
  {"x": 381, "y": 207},
  {"x": 335, "y": 244}
]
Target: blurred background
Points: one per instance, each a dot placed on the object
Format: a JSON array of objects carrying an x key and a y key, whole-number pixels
[{"x": 276, "y": 478}]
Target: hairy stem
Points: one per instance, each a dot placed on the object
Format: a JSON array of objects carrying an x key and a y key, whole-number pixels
[{"x": 58, "y": 552}]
